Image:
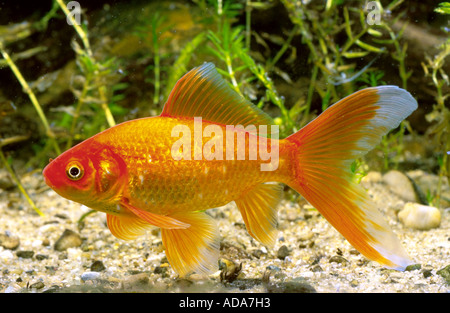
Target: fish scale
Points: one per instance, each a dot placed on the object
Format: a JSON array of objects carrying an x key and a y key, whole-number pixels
[{"x": 152, "y": 183}]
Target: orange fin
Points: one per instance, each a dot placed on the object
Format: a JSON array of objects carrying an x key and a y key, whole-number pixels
[
  {"x": 258, "y": 208},
  {"x": 202, "y": 92},
  {"x": 324, "y": 151},
  {"x": 162, "y": 221},
  {"x": 125, "y": 227},
  {"x": 194, "y": 249}
]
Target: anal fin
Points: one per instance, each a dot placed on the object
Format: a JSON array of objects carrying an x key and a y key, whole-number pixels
[
  {"x": 195, "y": 248},
  {"x": 258, "y": 208}
]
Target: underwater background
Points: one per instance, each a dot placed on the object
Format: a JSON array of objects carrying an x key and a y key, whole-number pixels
[{"x": 61, "y": 83}]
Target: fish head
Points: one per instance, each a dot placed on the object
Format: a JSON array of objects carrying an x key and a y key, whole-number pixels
[{"x": 86, "y": 174}]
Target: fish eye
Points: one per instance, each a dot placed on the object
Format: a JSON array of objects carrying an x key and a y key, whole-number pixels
[{"x": 74, "y": 171}]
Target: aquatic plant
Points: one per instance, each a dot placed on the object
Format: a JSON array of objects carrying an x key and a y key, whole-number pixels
[
  {"x": 31, "y": 95},
  {"x": 150, "y": 32},
  {"x": 9, "y": 35},
  {"x": 94, "y": 76},
  {"x": 16, "y": 179},
  {"x": 231, "y": 46},
  {"x": 337, "y": 37},
  {"x": 94, "y": 73},
  {"x": 180, "y": 66},
  {"x": 440, "y": 115}
]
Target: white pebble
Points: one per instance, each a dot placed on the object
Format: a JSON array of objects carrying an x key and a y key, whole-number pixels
[
  {"x": 6, "y": 255},
  {"x": 419, "y": 216},
  {"x": 74, "y": 253},
  {"x": 36, "y": 243},
  {"x": 400, "y": 185},
  {"x": 90, "y": 276},
  {"x": 14, "y": 288}
]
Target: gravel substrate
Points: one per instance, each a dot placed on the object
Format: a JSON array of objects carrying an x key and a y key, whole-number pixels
[{"x": 55, "y": 253}]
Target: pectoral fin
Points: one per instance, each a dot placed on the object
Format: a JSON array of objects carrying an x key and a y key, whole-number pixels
[
  {"x": 162, "y": 221},
  {"x": 193, "y": 249}
]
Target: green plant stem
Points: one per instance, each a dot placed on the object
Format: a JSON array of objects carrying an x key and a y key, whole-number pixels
[
  {"x": 104, "y": 104},
  {"x": 32, "y": 97},
  {"x": 248, "y": 16},
  {"x": 232, "y": 74},
  {"x": 84, "y": 38},
  {"x": 157, "y": 68},
  {"x": 78, "y": 110},
  {"x": 311, "y": 89},
  {"x": 77, "y": 27},
  {"x": 19, "y": 184},
  {"x": 283, "y": 49}
]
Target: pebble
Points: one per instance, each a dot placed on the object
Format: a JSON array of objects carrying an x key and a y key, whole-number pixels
[
  {"x": 90, "y": 276},
  {"x": 283, "y": 252},
  {"x": 41, "y": 257},
  {"x": 13, "y": 288},
  {"x": 445, "y": 273},
  {"x": 25, "y": 254},
  {"x": 296, "y": 285},
  {"x": 69, "y": 239},
  {"x": 9, "y": 242},
  {"x": 427, "y": 273},
  {"x": 316, "y": 268},
  {"x": 161, "y": 270},
  {"x": 338, "y": 259},
  {"x": 6, "y": 255},
  {"x": 418, "y": 216},
  {"x": 135, "y": 281},
  {"x": 5, "y": 181},
  {"x": 400, "y": 184},
  {"x": 273, "y": 268},
  {"x": 97, "y": 266},
  {"x": 257, "y": 253},
  {"x": 37, "y": 285},
  {"x": 413, "y": 267},
  {"x": 373, "y": 177}
]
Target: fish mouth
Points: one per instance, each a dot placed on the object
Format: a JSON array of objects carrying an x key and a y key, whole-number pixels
[{"x": 46, "y": 179}]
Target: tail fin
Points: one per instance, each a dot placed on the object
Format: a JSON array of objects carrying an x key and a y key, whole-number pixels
[{"x": 325, "y": 149}]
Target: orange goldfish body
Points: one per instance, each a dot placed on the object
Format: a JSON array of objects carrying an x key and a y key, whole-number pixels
[{"x": 165, "y": 171}]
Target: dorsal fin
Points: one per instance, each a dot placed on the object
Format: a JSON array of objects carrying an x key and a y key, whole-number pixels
[{"x": 202, "y": 92}]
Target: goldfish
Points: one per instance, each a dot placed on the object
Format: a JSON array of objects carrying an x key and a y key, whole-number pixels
[{"x": 166, "y": 171}]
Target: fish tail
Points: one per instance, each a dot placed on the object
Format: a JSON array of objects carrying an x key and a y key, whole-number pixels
[{"x": 323, "y": 154}]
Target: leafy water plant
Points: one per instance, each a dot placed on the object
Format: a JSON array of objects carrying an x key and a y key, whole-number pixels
[
  {"x": 440, "y": 116},
  {"x": 31, "y": 95},
  {"x": 150, "y": 32},
  {"x": 338, "y": 36},
  {"x": 94, "y": 73},
  {"x": 230, "y": 46},
  {"x": 15, "y": 33},
  {"x": 95, "y": 77},
  {"x": 16, "y": 179}
]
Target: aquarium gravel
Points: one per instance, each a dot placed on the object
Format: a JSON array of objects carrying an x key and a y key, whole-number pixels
[{"x": 57, "y": 253}]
